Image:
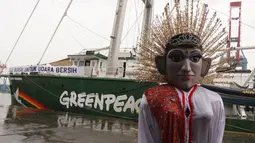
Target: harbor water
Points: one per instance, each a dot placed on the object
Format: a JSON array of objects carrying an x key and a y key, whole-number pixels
[{"x": 29, "y": 125}]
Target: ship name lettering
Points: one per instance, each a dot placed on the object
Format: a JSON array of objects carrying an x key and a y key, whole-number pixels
[{"x": 120, "y": 103}]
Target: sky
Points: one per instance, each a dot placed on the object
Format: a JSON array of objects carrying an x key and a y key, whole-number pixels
[{"x": 88, "y": 25}]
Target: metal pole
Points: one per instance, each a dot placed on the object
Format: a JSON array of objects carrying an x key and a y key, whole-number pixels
[
  {"x": 238, "y": 48},
  {"x": 116, "y": 37},
  {"x": 249, "y": 78},
  {"x": 229, "y": 30},
  {"x": 231, "y": 49},
  {"x": 55, "y": 31},
  {"x": 147, "y": 17}
]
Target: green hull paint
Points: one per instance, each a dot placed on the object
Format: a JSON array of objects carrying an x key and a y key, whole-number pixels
[
  {"x": 240, "y": 125},
  {"x": 47, "y": 90}
]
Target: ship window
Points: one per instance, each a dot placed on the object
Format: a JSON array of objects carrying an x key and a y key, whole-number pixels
[
  {"x": 75, "y": 63},
  {"x": 101, "y": 63},
  {"x": 81, "y": 63},
  {"x": 87, "y": 63},
  {"x": 93, "y": 64}
]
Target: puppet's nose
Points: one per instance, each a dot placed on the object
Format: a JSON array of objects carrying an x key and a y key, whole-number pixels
[{"x": 186, "y": 65}]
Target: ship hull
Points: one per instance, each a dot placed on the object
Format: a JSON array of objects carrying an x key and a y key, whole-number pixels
[
  {"x": 97, "y": 96},
  {"x": 94, "y": 96}
]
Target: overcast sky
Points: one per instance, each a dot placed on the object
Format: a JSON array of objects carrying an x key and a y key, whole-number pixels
[{"x": 95, "y": 15}]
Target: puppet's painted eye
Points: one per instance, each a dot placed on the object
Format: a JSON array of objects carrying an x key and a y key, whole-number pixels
[
  {"x": 195, "y": 58},
  {"x": 176, "y": 56}
]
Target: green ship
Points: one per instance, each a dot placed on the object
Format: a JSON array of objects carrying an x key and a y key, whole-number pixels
[
  {"x": 118, "y": 98},
  {"x": 95, "y": 90}
]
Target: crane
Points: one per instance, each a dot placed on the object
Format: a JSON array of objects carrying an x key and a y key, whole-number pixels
[{"x": 240, "y": 58}]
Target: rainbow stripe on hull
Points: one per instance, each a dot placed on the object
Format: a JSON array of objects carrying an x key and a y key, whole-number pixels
[{"x": 32, "y": 101}]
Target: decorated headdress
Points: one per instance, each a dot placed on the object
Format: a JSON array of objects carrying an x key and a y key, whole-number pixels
[{"x": 190, "y": 25}]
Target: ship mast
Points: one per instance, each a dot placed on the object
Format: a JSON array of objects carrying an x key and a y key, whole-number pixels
[
  {"x": 117, "y": 32},
  {"x": 116, "y": 37},
  {"x": 147, "y": 17}
]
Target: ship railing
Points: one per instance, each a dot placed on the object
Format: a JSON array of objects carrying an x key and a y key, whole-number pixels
[{"x": 248, "y": 80}]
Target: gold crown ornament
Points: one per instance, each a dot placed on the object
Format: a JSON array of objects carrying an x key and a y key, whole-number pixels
[{"x": 191, "y": 18}]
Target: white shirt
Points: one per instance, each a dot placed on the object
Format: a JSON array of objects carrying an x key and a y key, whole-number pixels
[{"x": 208, "y": 123}]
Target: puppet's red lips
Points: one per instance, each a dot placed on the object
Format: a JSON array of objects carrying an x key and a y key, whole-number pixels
[{"x": 186, "y": 76}]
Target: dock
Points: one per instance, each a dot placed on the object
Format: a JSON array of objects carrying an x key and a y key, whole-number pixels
[{"x": 21, "y": 124}]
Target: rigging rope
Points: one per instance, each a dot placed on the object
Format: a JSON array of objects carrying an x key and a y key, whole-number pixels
[
  {"x": 76, "y": 40},
  {"x": 65, "y": 13},
  {"x": 136, "y": 39},
  {"x": 128, "y": 22},
  {"x": 137, "y": 16},
  {"x": 87, "y": 28},
  {"x": 228, "y": 16},
  {"x": 132, "y": 26},
  {"x": 88, "y": 108},
  {"x": 21, "y": 33},
  {"x": 227, "y": 23}
]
